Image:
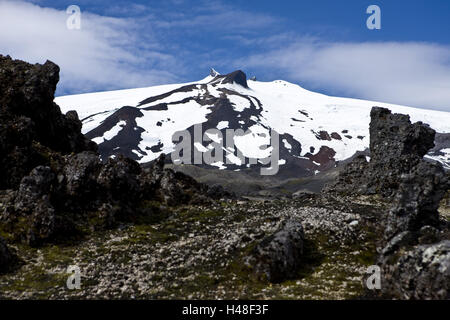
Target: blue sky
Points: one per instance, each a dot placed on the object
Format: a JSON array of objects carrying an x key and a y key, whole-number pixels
[{"x": 322, "y": 45}]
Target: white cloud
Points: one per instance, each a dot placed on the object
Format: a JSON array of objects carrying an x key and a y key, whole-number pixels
[
  {"x": 413, "y": 74},
  {"x": 107, "y": 53},
  {"x": 214, "y": 15},
  {"x": 146, "y": 46}
]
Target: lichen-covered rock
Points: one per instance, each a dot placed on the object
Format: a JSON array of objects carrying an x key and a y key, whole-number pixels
[
  {"x": 278, "y": 257},
  {"x": 81, "y": 172},
  {"x": 352, "y": 178},
  {"x": 119, "y": 176},
  {"x": 42, "y": 223},
  {"x": 393, "y": 136},
  {"x": 177, "y": 188},
  {"x": 414, "y": 264},
  {"x": 417, "y": 200},
  {"x": 420, "y": 273},
  {"x": 34, "y": 189},
  {"x": 33, "y": 205},
  {"x": 6, "y": 257}
]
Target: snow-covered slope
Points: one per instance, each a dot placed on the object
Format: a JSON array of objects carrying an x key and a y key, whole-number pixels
[{"x": 315, "y": 130}]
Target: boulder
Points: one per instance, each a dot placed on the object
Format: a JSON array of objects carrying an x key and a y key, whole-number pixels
[
  {"x": 417, "y": 200},
  {"x": 33, "y": 189},
  {"x": 278, "y": 256},
  {"x": 81, "y": 172},
  {"x": 119, "y": 179}
]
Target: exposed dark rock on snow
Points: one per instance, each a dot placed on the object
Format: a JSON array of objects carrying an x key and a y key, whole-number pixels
[
  {"x": 129, "y": 135},
  {"x": 237, "y": 76},
  {"x": 278, "y": 257}
]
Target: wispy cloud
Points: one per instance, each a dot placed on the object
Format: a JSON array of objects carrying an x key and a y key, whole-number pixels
[
  {"x": 414, "y": 74},
  {"x": 105, "y": 54},
  {"x": 129, "y": 45},
  {"x": 217, "y": 16}
]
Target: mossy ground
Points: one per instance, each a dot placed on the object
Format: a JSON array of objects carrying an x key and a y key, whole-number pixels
[{"x": 187, "y": 252}]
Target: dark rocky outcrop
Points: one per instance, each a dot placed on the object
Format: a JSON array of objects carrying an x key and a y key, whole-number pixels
[
  {"x": 414, "y": 250},
  {"x": 278, "y": 257},
  {"x": 52, "y": 182},
  {"x": 396, "y": 146},
  {"x": 29, "y": 118},
  {"x": 238, "y": 77},
  {"x": 417, "y": 200},
  {"x": 422, "y": 272}
]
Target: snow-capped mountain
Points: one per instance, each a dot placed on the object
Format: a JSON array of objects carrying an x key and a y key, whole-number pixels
[{"x": 315, "y": 130}]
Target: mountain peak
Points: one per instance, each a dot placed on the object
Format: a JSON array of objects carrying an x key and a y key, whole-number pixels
[
  {"x": 237, "y": 76},
  {"x": 213, "y": 73}
]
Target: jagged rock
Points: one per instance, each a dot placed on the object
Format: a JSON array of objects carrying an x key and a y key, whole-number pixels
[
  {"x": 420, "y": 273},
  {"x": 18, "y": 155},
  {"x": 213, "y": 73},
  {"x": 81, "y": 172},
  {"x": 417, "y": 200},
  {"x": 28, "y": 114},
  {"x": 32, "y": 203},
  {"x": 394, "y": 135},
  {"x": 278, "y": 257},
  {"x": 42, "y": 226},
  {"x": 119, "y": 176},
  {"x": 151, "y": 176},
  {"x": 28, "y": 90},
  {"x": 177, "y": 188},
  {"x": 396, "y": 146},
  {"x": 352, "y": 178},
  {"x": 238, "y": 77},
  {"x": 33, "y": 189}
]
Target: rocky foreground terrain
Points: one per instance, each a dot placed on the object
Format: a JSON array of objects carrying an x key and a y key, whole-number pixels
[{"x": 150, "y": 233}]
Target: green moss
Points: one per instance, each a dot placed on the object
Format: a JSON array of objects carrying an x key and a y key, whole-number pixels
[
  {"x": 15, "y": 230},
  {"x": 194, "y": 215},
  {"x": 58, "y": 255},
  {"x": 38, "y": 280},
  {"x": 148, "y": 234}
]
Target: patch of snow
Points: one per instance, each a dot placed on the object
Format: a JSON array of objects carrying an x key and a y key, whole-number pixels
[
  {"x": 222, "y": 125},
  {"x": 239, "y": 103},
  {"x": 108, "y": 135}
]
